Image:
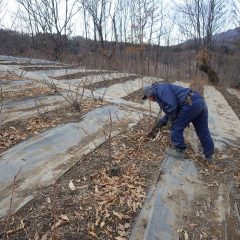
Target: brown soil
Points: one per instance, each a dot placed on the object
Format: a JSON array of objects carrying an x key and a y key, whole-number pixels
[
  {"x": 27, "y": 92},
  {"x": 37, "y": 68},
  {"x": 108, "y": 83},
  {"x": 80, "y": 74},
  {"x": 10, "y": 76},
  {"x": 3, "y": 62},
  {"x": 17, "y": 131},
  {"x": 106, "y": 199}
]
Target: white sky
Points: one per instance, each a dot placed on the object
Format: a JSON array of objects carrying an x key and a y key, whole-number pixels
[
  {"x": 11, "y": 8},
  {"x": 8, "y": 13}
]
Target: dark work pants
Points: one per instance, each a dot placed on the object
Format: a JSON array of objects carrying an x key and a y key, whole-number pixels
[{"x": 197, "y": 113}]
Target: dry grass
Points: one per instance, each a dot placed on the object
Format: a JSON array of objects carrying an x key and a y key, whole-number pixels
[{"x": 198, "y": 82}]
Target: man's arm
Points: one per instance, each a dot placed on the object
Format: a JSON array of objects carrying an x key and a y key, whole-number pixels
[
  {"x": 163, "y": 120},
  {"x": 169, "y": 101}
]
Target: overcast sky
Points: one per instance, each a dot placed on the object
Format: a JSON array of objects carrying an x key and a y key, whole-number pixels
[{"x": 11, "y": 8}]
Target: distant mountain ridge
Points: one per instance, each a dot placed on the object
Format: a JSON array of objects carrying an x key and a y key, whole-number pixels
[{"x": 229, "y": 36}]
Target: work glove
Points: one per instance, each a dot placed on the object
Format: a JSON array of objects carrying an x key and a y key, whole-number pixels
[
  {"x": 157, "y": 126},
  {"x": 152, "y": 133}
]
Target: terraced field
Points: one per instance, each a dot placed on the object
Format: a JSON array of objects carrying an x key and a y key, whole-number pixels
[{"x": 75, "y": 162}]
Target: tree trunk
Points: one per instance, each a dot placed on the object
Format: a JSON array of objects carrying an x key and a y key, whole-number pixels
[{"x": 212, "y": 75}]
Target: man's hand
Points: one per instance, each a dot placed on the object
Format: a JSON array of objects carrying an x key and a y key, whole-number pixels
[
  {"x": 152, "y": 133},
  {"x": 158, "y": 126}
]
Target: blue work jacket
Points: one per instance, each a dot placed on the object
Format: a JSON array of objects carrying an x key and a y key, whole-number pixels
[{"x": 170, "y": 98}]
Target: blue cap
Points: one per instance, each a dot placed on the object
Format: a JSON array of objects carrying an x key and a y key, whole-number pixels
[{"x": 147, "y": 91}]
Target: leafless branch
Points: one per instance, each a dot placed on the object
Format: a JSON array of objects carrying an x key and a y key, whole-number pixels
[
  {"x": 1, "y": 100},
  {"x": 55, "y": 209},
  {"x": 10, "y": 204},
  {"x": 108, "y": 136},
  {"x": 89, "y": 137}
]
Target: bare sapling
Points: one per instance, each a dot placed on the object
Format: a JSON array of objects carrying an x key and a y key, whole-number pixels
[
  {"x": 74, "y": 98},
  {"x": 1, "y": 100},
  {"x": 21, "y": 74},
  {"x": 37, "y": 102},
  {"x": 101, "y": 98},
  {"x": 92, "y": 140},
  {"x": 55, "y": 210},
  {"x": 150, "y": 108},
  {"x": 96, "y": 96},
  {"x": 117, "y": 116},
  {"x": 108, "y": 137},
  {"x": 131, "y": 84},
  {"x": 113, "y": 169},
  {"x": 150, "y": 132},
  {"x": 78, "y": 97},
  {"x": 6, "y": 228},
  {"x": 125, "y": 88}
]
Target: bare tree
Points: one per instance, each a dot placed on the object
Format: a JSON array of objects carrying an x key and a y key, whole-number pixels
[
  {"x": 2, "y": 12},
  {"x": 200, "y": 20},
  {"x": 6, "y": 228},
  {"x": 236, "y": 12},
  {"x": 97, "y": 10},
  {"x": 52, "y": 18},
  {"x": 142, "y": 20}
]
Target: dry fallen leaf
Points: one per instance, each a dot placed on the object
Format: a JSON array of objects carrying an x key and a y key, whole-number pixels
[
  {"x": 36, "y": 236},
  {"x": 84, "y": 186},
  {"x": 127, "y": 225},
  {"x": 118, "y": 215},
  {"x": 120, "y": 238},
  {"x": 44, "y": 237},
  {"x": 126, "y": 217},
  {"x": 57, "y": 224},
  {"x": 71, "y": 186},
  {"x": 121, "y": 227},
  {"x": 102, "y": 224},
  {"x": 64, "y": 217},
  {"x": 122, "y": 233},
  {"x": 192, "y": 225},
  {"x": 21, "y": 226},
  {"x": 48, "y": 200},
  {"x": 93, "y": 234},
  {"x": 185, "y": 235}
]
